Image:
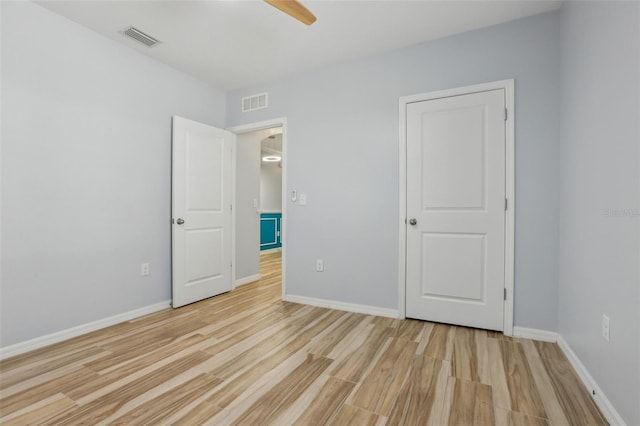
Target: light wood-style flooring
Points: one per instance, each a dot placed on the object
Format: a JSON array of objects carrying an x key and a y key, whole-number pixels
[{"x": 247, "y": 358}]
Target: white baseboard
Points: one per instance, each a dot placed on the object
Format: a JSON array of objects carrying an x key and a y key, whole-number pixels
[
  {"x": 247, "y": 280},
  {"x": 342, "y": 306},
  {"x": 59, "y": 336},
  {"x": 535, "y": 334},
  {"x": 603, "y": 403},
  {"x": 601, "y": 400}
]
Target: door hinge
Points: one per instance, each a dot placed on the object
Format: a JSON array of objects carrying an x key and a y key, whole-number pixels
[
  {"x": 506, "y": 114},
  {"x": 506, "y": 203},
  {"x": 231, "y": 207},
  {"x": 505, "y": 294}
]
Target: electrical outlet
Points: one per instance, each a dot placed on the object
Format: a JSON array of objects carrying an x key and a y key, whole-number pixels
[
  {"x": 319, "y": 265},
  {"x": 605, "y": 327},
  {"x": 144, "y": 269},
  {"x": 303, "y": 199}
]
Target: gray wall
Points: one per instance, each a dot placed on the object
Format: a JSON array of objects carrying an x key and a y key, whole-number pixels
[
  {"x": 270, "y": 187},
  {"x": 247, "y": 216},
  {"x": 351, "y": 219},
  {"x": 599, "y": 180},
  {"x": 86, "y": 148}
]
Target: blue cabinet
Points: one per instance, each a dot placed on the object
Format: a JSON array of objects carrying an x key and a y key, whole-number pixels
[{"x": 270, "y": 231}]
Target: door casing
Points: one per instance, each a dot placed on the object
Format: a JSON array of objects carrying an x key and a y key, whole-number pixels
[{"x": 508, "y": 86}]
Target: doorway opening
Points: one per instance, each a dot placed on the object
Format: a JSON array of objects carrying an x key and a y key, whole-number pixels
[
  {"x": 259, "y": 231},
  {"x": 271, "y": 192}
]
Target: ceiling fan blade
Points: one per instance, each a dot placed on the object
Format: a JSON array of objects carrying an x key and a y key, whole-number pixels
[{"x": 294, "y": 9}]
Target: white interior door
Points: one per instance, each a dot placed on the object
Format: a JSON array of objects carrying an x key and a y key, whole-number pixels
[
  {"x": 201, "y": 211},
  {"x": 456, "y": 209}
]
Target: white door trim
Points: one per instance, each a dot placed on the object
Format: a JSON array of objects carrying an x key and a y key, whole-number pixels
[
  {"x": 252, "y": 127},
  {"x": 508, "y": 86}
]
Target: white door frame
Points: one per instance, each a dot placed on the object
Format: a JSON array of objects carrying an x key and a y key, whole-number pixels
[
  {"x": 509, "y": 264},
  {"x": 252, "y": 127}
]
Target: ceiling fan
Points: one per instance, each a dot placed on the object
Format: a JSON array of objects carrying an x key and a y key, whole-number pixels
[{"x": 295, "y": 9}]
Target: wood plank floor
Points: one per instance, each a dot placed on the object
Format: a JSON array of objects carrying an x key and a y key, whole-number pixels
[{"x": 247, "y": 358}]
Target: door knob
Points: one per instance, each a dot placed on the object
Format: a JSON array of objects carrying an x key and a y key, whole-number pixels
[
  {"x": 413, "y": 221},
  {"x": 180, "y": 221}
]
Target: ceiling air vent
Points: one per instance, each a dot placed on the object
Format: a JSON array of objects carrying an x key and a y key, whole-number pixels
[
  {"x": 254, "y": 102},
  {"x": 141, "y": 37}
]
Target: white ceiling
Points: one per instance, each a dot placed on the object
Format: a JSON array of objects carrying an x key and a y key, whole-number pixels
[
  {"x": 240, "y": 43},
  {"x": 272, "y": 144}
]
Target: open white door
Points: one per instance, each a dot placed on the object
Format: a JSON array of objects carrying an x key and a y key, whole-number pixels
[
  {"x": 456, "y": 209},
  {"x": 201, "y": 211}
]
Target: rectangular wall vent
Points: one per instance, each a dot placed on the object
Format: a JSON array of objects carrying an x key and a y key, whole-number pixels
[
  {"x": 141, "y": 37},
  {"x": 254, "y": 102}
]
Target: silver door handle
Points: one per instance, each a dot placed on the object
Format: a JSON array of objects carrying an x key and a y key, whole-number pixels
[
  {"x": 413, "y": 221},
  {"x": 180, "y": 221}
]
